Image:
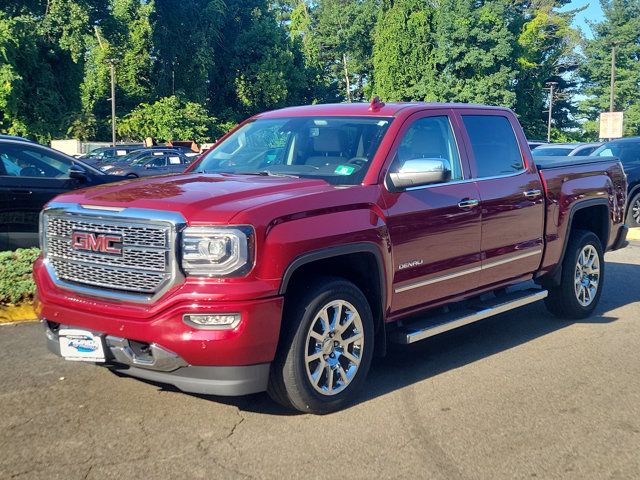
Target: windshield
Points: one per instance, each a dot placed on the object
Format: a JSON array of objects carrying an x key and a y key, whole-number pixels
[
  {"x": 336, "y": 149},
  {"x": 551, "y": 152},
  {"x": 627, "y": 152}
]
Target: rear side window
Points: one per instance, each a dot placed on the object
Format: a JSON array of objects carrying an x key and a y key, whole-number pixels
[{"x": 494, "y": 145}]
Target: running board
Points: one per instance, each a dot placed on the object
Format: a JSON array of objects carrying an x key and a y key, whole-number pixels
[{"x": 428, "y": 327}]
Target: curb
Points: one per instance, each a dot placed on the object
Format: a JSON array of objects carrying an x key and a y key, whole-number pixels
[
  {"x": 17, "y": 313},
  {"x": 634, "y": 234}
]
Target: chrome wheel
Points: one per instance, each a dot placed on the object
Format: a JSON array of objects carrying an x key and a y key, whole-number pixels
[
  {"x": 587, "y": 275},
  {"x": 334, "y": 347},
  {"x": 635, "y": 212}
]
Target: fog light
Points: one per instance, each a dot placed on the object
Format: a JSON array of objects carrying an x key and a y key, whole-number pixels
[{"x": 212, "y": 321}]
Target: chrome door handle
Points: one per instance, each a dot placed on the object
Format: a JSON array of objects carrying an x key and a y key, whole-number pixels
[
  {"x": 535, "y": 193},
  {"x": 470, "y": 203}
]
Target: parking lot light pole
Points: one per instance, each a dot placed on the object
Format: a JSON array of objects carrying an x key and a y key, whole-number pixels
[{"x": 551, "y": 86}]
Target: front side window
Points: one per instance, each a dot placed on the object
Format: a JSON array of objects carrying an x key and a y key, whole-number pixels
[
  {"x": 338, "y": 150},
  {"x": 494, "y": 145},
  {"x": 430, "y": 138},
  {"x": 19, "y": 161}
]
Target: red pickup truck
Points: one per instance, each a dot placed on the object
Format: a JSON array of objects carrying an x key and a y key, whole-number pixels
[{"x": 309, "y": 237}]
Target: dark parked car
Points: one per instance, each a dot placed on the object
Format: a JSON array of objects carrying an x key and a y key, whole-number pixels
[
  {"x": 628, "y": 151},
  {"x": 565, "y": 149},
  {"x": 107, "y": 154},
  {"x": 136, "y": 155},
  {"x": 30, "y": 176},
  {"x": 155, "y": 163}
]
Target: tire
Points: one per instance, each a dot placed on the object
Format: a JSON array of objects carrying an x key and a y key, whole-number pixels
[
  {"x": 132, "y": 175},
  {"x": 319, "y": 367},
  {"x": 633, "y": 215},
  {"x": 581, "y": 285}
]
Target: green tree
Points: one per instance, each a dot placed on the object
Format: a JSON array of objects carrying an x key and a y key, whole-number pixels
[
  {"x": 170, "y": 118},
  {"x": 620, "y": 27},
  {"x": 403, "y": 51},
  {"x": 124, "y": 37}
]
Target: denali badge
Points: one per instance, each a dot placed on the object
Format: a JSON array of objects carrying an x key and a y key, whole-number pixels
[
  {"x": 97, "y": 242},
  {"x": 411, "y": 264}
]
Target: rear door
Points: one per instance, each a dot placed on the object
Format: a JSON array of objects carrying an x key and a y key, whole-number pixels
[
  {"x": 511, "y": 196},
  {"x": 434, "y": 229}
]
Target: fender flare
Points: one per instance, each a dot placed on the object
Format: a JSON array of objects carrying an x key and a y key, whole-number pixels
[
  {"x": 553, "y": 277},
  {"x": 331, "y": 252}
]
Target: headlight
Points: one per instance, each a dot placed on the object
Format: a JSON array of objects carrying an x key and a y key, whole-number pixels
[
  {"x": 106, "y": 168},
  {"x": 217, "y": 251}
]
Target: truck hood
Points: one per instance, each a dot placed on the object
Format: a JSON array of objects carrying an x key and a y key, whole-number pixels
[{"x": 200, "y": 198}]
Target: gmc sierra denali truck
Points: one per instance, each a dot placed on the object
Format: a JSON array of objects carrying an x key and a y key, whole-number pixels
[{"x": 309, "y": 237}]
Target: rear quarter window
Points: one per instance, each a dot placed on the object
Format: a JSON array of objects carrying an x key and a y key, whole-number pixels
[{"x": 494, "y": 145}]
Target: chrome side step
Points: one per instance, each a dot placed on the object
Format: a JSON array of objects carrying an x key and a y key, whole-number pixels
[{"x": 428, "y": 327}]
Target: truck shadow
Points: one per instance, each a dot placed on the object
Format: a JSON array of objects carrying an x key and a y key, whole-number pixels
[{"x": 405, "y": 365}]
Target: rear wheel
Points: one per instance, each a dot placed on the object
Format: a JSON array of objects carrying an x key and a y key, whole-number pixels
[
  {"x": 326, "y": 348},
  {"x": 582, "y": 277},
  {"x": 633, "y": 215}
]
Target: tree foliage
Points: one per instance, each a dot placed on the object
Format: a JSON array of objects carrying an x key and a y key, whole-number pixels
[
  {"x": 168, "y": 119},
  {"x": 234, "y": 58},
  {"x": 620, "y": 27}
]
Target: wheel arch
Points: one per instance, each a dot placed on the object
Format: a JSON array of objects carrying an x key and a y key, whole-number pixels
[
  {"x": 579, "y": 219},
  {"x": 361, "y": 263}
]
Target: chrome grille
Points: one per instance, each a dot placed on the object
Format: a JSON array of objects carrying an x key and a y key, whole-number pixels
[{"x": 144, "y": 267}]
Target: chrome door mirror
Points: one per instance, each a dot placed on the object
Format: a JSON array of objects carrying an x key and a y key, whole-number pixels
[{"x": 421, "y": 171}]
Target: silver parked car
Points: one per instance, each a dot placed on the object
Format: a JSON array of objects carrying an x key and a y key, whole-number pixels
[{"x": 565, "y": 149}]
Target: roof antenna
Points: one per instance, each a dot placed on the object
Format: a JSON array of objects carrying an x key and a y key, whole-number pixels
[{"x": 375, "y": 104}]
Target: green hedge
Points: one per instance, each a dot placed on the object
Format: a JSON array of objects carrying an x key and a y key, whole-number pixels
[{"x": 16, "y": 282}]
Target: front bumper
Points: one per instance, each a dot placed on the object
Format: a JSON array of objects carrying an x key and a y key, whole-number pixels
[
  {"x": 232, "y": 361},
  {"x": 163, "y": 366}
]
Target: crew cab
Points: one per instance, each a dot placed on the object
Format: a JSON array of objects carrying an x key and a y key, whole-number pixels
[{"x": 308, "y": 238}]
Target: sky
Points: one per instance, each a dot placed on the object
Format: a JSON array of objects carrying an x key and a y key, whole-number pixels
[{"x": 593, "y": 13}]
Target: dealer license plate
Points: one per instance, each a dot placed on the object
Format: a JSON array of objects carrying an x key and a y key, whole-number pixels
[{"x": 80, "y": 345}]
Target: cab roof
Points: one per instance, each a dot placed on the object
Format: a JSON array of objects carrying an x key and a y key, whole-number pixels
[{"x": 363, "y": 109}]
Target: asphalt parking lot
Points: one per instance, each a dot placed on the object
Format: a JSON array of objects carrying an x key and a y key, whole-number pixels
[{"x": 521, "y": 395}]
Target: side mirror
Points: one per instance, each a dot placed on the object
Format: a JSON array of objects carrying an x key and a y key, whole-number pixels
[
  {"x": 78, "y": 173},
  {"x": 422, "y": 171}
]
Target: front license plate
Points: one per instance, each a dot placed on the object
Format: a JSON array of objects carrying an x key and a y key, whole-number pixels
[{"x": 80, "y": 345}]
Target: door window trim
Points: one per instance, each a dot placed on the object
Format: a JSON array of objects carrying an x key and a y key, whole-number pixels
[
  {"x": 528, "y": 166},
  {"x": 460, "y": 147}
]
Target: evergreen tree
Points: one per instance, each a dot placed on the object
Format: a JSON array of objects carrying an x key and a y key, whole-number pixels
[{"x": 620, "y": 27}]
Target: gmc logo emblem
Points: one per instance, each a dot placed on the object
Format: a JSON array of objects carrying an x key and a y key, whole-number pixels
[{"x": 97, "y": 242}]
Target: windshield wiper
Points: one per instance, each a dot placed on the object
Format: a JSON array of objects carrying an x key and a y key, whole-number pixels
[
  {"x": 266, "y": 173},
  {"x": 261, "y": 173}
]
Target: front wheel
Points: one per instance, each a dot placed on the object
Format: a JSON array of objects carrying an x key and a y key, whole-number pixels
[
  {"x": 326, "y": 347},
  {"x": 633, "y": 217},
  {"x": 582, "y": 277}
]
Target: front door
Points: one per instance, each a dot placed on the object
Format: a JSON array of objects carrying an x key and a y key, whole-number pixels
[
  {"x": 434, "y": 229},
  {"x": 30, "y": 176},
  {"x": 511, "y": 195}
]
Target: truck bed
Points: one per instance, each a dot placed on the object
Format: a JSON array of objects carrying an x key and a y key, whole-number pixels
[{"x": 571, "y": 183}]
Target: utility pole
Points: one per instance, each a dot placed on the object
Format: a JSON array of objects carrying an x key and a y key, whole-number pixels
[
  {"x": 551, "y": 86},
  {"x": 113, "y": 102},
  {"x": 613, "y": 77}
]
